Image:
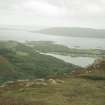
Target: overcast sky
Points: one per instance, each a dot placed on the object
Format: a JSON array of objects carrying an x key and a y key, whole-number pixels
[{"x": 79, "y": 13}]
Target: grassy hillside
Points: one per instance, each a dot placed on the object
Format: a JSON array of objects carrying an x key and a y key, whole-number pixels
[
  {"x": 50, "y": 47},
  {"x": 81, "y": 87},
  {"x": 7, "y": 70},
  {"x": 74, "y": 91},
  {"x": 18, "y": 61}
]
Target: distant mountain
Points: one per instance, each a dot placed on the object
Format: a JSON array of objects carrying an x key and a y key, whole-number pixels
[
  {"x": 74, "y": 32},
  {"x": 20, "y": 28}
]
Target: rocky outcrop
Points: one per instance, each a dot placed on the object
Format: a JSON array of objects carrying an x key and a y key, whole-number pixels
[
  {"x": 29, "y": 83},
  {"x": 52, "y": 82},
  {"x": 99, "y": 64},
  {"x": 98, "y": 67}
]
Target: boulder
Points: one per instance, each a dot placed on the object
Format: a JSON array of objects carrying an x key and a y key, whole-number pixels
[{"x": 52, "y": 82}]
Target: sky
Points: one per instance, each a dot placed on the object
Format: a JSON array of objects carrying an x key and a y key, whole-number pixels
[{"x": 70, "y": 13}]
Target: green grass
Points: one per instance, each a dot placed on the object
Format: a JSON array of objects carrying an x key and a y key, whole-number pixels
[
  {"x": 74, "y": 91},
  {"x": 23, "y": 62},
  {"x": 50, "y": 47},
  {"x": 94, "y": 77}
]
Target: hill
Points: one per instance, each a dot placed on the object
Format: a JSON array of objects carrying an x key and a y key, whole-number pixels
[
  {"x": 18, "y": 61},
  {"x": 74, "y": 32},
  {"x": 81, "y": 89},
  {"x": 51, "y": 47}
]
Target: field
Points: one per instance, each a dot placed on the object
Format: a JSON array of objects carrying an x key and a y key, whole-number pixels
[
  {"x": 74, "y": 91},
  {"x": 59, "y": 83}
]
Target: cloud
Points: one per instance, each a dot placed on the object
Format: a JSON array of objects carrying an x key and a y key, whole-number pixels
[
  {"x": 53, "y": 12},
  {"x": 85, "y": 7},
  {"x": 40, "y": 8}
]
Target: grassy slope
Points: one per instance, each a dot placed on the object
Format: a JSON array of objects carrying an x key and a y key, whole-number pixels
[
  {"x": 50, "y": 47},
  {"x": 81, "y": 89},
  {"x": 23, "y": 62},
  {"x": 74, "y": 91},
  {"x": 86, "y": 89},
  {"x": 7, "y": 70}
]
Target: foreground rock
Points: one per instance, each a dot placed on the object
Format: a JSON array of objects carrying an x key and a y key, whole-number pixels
[
  {"x": 29, "y": 83},
  {"x": 52, "y": 82}
]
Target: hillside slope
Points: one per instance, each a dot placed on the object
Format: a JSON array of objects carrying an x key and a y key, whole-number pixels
[
  {"x": 18, "y": 61},
  {"x": 86, "y": 88}
]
